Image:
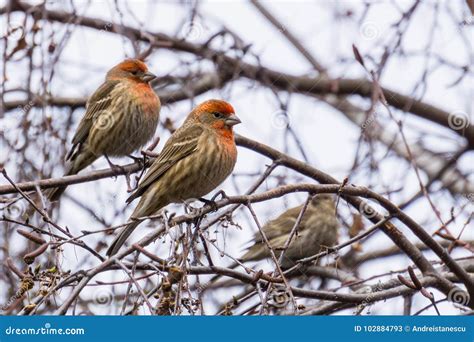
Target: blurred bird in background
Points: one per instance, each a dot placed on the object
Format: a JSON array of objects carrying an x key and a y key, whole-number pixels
[
  {"x": 196, "y": 159},
  {"x": 318, "y": 230},
  {"x": 121, "y": 116}
]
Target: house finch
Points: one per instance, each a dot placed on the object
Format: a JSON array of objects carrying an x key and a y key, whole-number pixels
[
  {"x": 121, "y": 116},
  {"x": 194, "y": 161},
  {"x": 316, "y": 231}
]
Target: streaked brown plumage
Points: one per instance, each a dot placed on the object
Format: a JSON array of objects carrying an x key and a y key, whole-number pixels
[
  {"x": 194, "y": 161},
  {"x": 121, "y": 117},
  {"x": 318, "y": 230}
]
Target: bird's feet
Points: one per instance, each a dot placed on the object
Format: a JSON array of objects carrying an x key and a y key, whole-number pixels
[
  {"x": 149, "y": 149},
  {"x": 212, "y": 201},
  {"x": 118, "y": 170},
  {"x": 130, "y": 188},
  {"x": 143, "y": 162},
  {"x": 149, "y": 154},
  {"x": 189, "y": 209},
  {"x": 219, "y": 193},
  {"x": 167, "y": 219},
  {"x": 136, "y": 159}
]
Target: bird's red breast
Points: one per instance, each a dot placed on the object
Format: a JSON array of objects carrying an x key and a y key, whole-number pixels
[{"x": 145, "y": 95}]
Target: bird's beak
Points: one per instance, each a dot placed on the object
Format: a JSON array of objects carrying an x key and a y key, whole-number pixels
[
  {"x": 232, "y": 120},
  {"x": 148, "y": 76}
]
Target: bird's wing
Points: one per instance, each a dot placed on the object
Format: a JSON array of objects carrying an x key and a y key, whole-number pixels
[
  {"x": 98, "y": 102},
  {"x": 282, "y": 225},
  {"x": 181, "y": 144}
]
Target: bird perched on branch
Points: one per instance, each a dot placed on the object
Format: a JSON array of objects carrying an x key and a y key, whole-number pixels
[
  {"x": 318, "y": 229},
  {"x": 194, "y": 161},
  {"x": 121, "y": 117}
]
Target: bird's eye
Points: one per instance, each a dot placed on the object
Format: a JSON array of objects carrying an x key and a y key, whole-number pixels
[
  {"x": 217, "y": 115},
  {"x": 135, "y": 72}
]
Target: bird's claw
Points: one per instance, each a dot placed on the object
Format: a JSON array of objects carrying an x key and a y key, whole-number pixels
[
  {"x": 136, "y": 159},
  {"x": 190, "y": 209},
  {"x": 170, "y": 218},
  {"x": 221, "y": 193},
  {"x": 210, "y": 202},
  {"x": 118, "y": 169},
  {"x": 149, "y": 154},
  {"x": 130, "y": 188}
]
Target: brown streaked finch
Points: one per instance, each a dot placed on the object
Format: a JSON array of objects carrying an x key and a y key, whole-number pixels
[
  {"x": 195, "y": 160},
  {"x": 318, "y": 230},
  {"x": 121, "y": 117}
]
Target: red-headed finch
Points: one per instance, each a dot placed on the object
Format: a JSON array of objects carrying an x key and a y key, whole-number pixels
[
  {"x": 194, "y": 161},
  {"x": 318, "y": 229},
  {"x": 121, "y": 116}
]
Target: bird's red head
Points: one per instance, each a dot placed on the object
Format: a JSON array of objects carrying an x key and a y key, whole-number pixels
[
  {"x": 217, "y": 114},
  {"x": 213, "y": 105},
  {"x": 132, "y": 69}
]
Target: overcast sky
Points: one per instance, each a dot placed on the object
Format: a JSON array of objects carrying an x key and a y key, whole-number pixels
[{"x": 329, "y": 140}]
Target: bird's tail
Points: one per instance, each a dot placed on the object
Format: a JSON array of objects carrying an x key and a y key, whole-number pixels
[
  {"x": 121, "y": 237},
  {"x": 83, "y": 159},
  {"x": 143, "y": 208}
]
